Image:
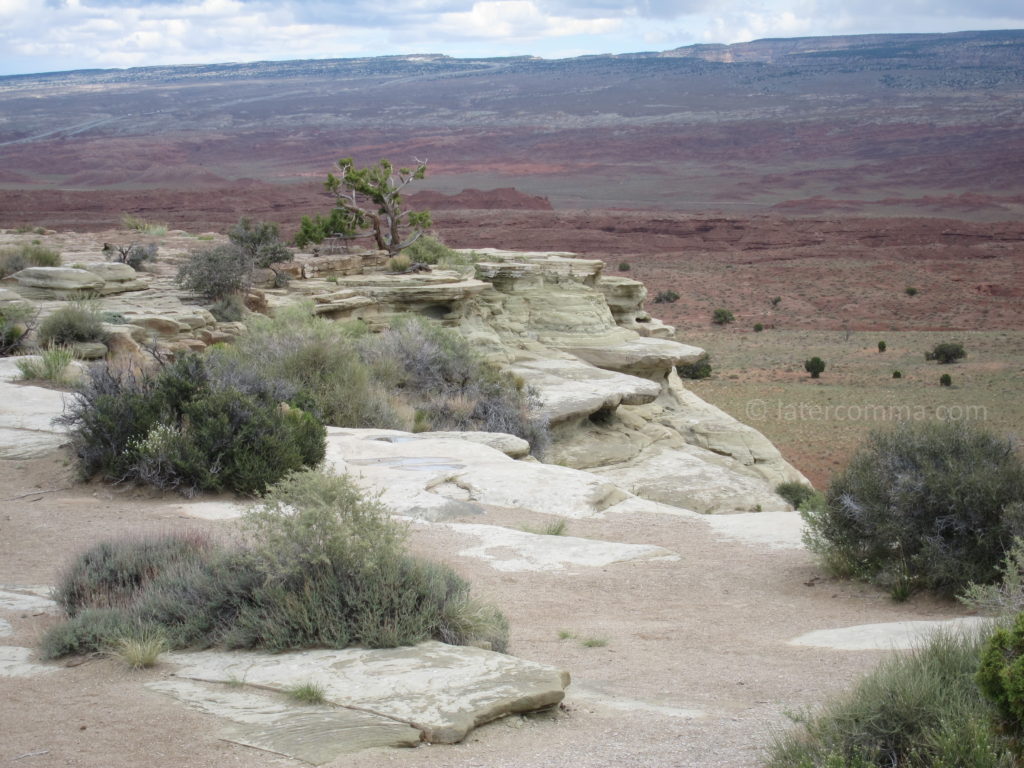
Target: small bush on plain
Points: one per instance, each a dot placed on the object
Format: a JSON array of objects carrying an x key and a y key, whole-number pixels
[
  {"x": 18, "y": 257},
  {"x": 320, "y": 565},
  {"x": 814, "y": 366},
  {"x": 897, "y": 374},
  {"x": 925, "y": 506},
  {"x": 946, "y": 353},
  {"x": 945, "y": 380},
  {"x": 758, "y": 327},
  {"x": 882, "y": 346},
  {"x": 916, "y": 710},
  {"x": 666, "y": 297},
  {"x": 78, "y": 322},
  {"x": 624, "y": 266},
  {"x": 722, "y": 316}
]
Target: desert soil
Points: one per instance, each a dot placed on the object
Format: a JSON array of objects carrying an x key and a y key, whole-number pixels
[{"x": 696, "y": 670}]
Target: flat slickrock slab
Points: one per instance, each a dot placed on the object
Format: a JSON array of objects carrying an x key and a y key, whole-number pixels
[
  {"x": 24, "y": 599},
  {"x": 443, "y": 691},
  {"x": 314, "y": 734},
  {"x": 14, "y": 662},
  {"x": 505, "y": 549},
  {"x": 438, "y": 479},
  {"x": 5, "y": 628},
  {"x": 891, "y": 636},
  {"x": 26, "y": 416}
]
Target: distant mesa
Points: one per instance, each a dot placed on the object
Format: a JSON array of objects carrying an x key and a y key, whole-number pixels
[{"x": 504, "y": 198}]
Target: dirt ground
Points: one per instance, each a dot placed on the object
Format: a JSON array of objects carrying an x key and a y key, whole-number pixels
[{"x": 696, "y": 670}]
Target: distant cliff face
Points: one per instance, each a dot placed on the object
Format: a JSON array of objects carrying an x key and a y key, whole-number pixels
[{"x": 889, "y": 120}]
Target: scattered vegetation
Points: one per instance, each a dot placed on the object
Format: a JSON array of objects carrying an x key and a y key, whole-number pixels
[
  {"x": 946, "y": 380},
  {"x": 139, "y": 224},
  {"x": 722, "y": 316},
  {"x": 80, "y": 321},
  {"x": 429, "y": 250},
  {"x": 758, "y": 327},
  {"x": 226, "y": 270},
  {"x": 320, "y": 565},
  {"x": 51, "y": 365},
  {"x": 666, "y": 297},
  {"x": 565, "y": 634},
  {"x": 18, "y": 257},
  {"x": 195, "y": 424},
  {"x": 910, "y": 290},
  {"x": 418, "y": 375},
  {"x": 594, "y": 642},
  {"x": 1004, "y": 597},
  {"x": 815, "y": 366},
  {"x": 881, "y": 346},
  {"x": 308, "y": 693},
  {"x": 624, "y": 266},
  {"x": 946, "y": 353},
  {"x": 698, "y": 369},
  {"x": 132, "y": 254},
  {"x": 897, "y": 374},
  {"x": 931, "y": 505},
  {"x": 776, "y": 300},
  {"x": 399, "y": 263},
  {"x": 916, "y": 710},
  {"x": 796, "y": 493}
]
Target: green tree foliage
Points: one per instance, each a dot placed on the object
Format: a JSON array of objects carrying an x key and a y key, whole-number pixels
[
  {"x": 1001, "y": 673},
  {"x": 698, "y": 369},
  {"x": 315, "y": 229},
  {"x": 372, "y": 199},
  {"x": 815, "y": 366}
]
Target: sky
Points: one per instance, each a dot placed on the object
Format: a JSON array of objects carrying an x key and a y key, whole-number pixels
[{"x": 55, "y": 35}]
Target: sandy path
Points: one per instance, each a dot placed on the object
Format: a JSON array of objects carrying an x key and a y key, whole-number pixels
[{"x": 696, "y": 670}]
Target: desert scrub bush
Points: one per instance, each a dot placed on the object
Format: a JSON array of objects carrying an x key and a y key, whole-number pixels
[
  {"x": 947, "y": 352},
  {"x": 945, "y": 380},
  {"x": 624, "y": 266},
  {"x": 132, "y": 254},
  {"x": 16, "y": 322},
  {"x": 216, "y": 273},
  {"x": 666, "y": 297},
  {"x": 924, "y": 506},
  {"x": 758, "y": 327},
  {"x": 190, "y": 426},
  {"x": 1004, "y": 597},
  {"x": 320, "y": 565},
  {"x": 399, "y": 263},
  {"x": 18, "y": 257},
  {"x": 429, "y": 250},
  {"x": 882, "y": 346},
  {"x": 916, "y": 710},
  {"x": 722, "y": 316},
  {"x": 139, "y": 224},
  {"x": 51, "y": 365},
  {"x": 796, "y": 493},
  {"x": 443, "y": 378},
  {"x": 77, "y": 322},
  {"x": 698, "y": 369},
  {"x": 910, "y": 290},
  {"x": 897, "y": 374},
  {"x": 814, "y": 366}
]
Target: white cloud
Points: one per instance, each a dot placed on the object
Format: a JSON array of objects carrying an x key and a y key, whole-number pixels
[{"x": 38, "y": 35}]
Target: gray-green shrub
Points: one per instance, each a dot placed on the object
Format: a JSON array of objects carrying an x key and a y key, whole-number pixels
[
  {"x": 18, "y": 257},
  {"x": 926, "y": 505},
  {"x": 916, "y": 710},
  {"x": 190, "y": 426},
  {"x": 795, "y": 492},
  {"x": 321, "y": 565},
  {"x": 77, "y": 322},
  {"x": 698, "y": 369}
]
